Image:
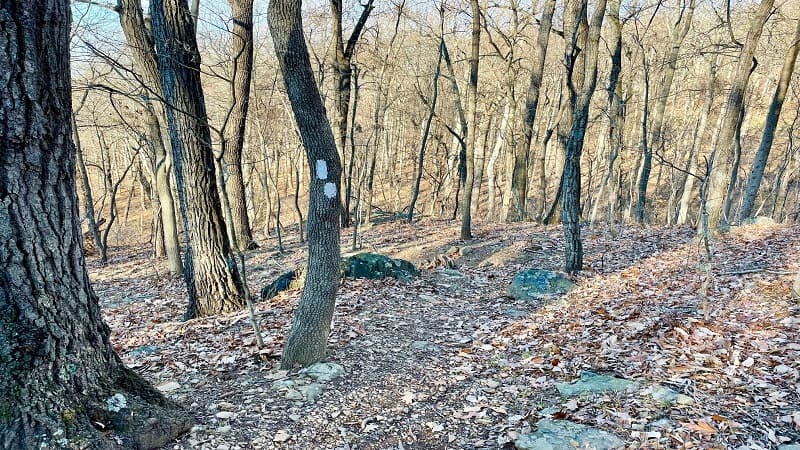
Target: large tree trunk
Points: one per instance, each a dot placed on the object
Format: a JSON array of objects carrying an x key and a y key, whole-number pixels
[
  {"x": 140, "y": 41},
  {"x": 242, "y": 55},
  {"x": 773, "y": 114},
  {"x": 472, "y": 118},
  {"x": 211, "y": 271},
  {"x": 719, "y": 178},
  {"x": 60, "y": 380},
  {"x": 308, "y": 338},
  {"x": 571, "y": 180},
  {"x": 519, "y": 176}
]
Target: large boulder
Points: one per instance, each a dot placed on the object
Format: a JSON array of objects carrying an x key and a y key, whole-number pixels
[
  {"x": 536, "y": 284},
  {"x": 362, "y": 265},
  {"x": 375, "y": 267},
  {"x": 563, "y": 434}
]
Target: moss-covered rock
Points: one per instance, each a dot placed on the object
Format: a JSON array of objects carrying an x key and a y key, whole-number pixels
[
  {"x": 535, "y": 284},
  {"x": 363, "y": 265},
  {"x": 375, "y": 267}
]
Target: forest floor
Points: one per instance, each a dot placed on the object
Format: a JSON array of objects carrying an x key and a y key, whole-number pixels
[{"x": 448, "y": 361}]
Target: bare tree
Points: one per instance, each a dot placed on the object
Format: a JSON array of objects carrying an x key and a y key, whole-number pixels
[
  {"x": 211, "y": 274},
  {"x": 60, "y": 381},
  {"x": 308, "y": 338},
  {"x": 472, "y": 118}
]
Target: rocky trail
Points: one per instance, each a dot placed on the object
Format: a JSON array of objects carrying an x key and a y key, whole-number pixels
[{"x": 651, "y": 349}]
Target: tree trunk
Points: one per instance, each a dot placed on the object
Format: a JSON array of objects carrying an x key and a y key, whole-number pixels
[
  {"x": 771, "y": 123},
  {"x": 426, "y": 130},
  {"x": 140, "y": 41},
  {"x": 694, "y": 150},
  {"x": 343, "y": 55},
  {"x": 571, "y": 182},
  {"x": 679, "y": 33},
  {"x": 719, "y": 177},
  {"x": 308, "y": 338},
  {"x": 472, "y": 115},
  {"x": 519, "y": 177},
  {"x": 616, "y": 116},
  {"x": 60, "y": 380},
  {"x": 242, "y": 54},
  {"x": 211, "y": 274}
]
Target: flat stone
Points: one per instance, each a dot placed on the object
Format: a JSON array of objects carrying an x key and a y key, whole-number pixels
[
  {"x": 169, "y": 386},
  {"x": 789, "y": 447},
  {"x": 143, "y": 350},
  {"x": 283, "y": 384},
  {"x": 224, "y": 415},
  {"x": 592, "y": 383},
  {"x": 451, "y": 273},
  {"x": 310, "y": 391},
  {"x": 294, "y": 394},
  {"x": 226, "y": 406},
  {"x": 667, "y": 396},
  {"x": 563, "y": 435},
  {"x": 426, "y": 346},
  {"x": 536, "y": 284},
  {"x": 516, "y": 313},
  {"x": 323, "y": 371}
]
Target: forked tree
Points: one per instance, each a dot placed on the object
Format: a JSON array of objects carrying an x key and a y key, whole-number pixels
[
  {"x": 61, "y": 384},
  {"x": 308, "y": 338}
]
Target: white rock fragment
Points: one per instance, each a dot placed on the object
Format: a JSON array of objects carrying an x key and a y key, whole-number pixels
[{"x": 224, "y": 415}]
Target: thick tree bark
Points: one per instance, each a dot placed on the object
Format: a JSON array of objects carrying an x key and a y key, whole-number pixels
[
  {"x": 519, "y": 176},
  {"x": 472, "y": 118},
  {"x": 308, "y": 338},
  {"x": 140, "y": 41},
  {"x": 719, "y": 177},
  {"x": 60, "y": 379},
  {"x": 571, "y": 182},
  {"x": 242, "y": 55},
  {"x": 771, "y": 123},
  {"x": 211, "y": 272}
]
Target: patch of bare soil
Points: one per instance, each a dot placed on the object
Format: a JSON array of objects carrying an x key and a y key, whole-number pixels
[{"x": 448, "y": 361}]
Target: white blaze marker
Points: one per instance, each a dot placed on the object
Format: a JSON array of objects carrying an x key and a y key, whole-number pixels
[
  {"x": 330, "y": 189},
  {"x": 322, "y": 169}
]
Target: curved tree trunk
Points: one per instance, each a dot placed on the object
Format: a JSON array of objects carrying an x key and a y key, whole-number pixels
[
  {"x": 719, "y": 177},
  {"x": 242, "y": 55},
  {"x": 211, "y": 271},
  {"x": 771, "y": 123},
  {"x": 140, "y": 41},
  {"x": 308, "y": 338},
  {"x": 571, "y": 182},
  {"x": 519, "y": 176},
  {"x": 59, "y": 376}
]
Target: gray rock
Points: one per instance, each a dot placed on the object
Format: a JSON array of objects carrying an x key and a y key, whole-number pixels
[
  {"x": 592, "y": 383},
  {"x": 789, "y": 447},
  {"x": 563, "y": 435},
  {"x": 516, "y": 313},
  {"x": 536, "y": 284},
  {"x": 283, "y": 384},
  {"x": 310, "y": 391},
  {"x": 144, "y": 350},
  {"x": 294, "y": 394},
  {"x": 451, "y": 273},
  {"x": 323, "y": 371},
  {"x": 759, "y": 220},
  {"x": 667, "y": 396},
  {"x": 376, "y": 266},
  {"x": 426, "y": 346}
]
